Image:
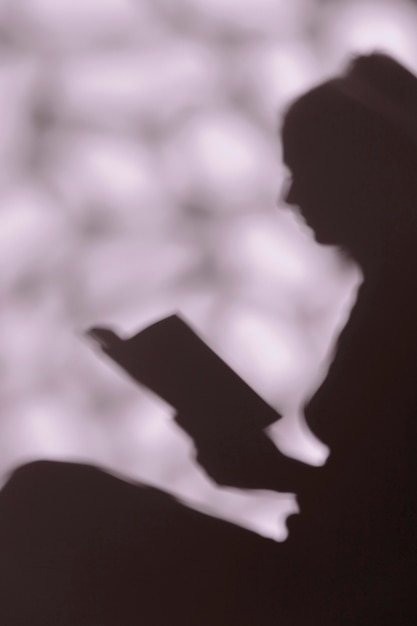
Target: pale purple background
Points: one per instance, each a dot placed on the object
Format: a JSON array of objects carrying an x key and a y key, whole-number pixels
[{"x": 139, "y": 175}]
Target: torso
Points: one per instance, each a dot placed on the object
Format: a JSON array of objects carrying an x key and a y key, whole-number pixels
[{"x": 360, "y": 523}]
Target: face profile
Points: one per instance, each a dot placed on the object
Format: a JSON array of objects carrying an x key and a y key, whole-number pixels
[
  {"x": 317, "y": 188},
  {"x": 310, "y": 192},
  {"x": 351, "y": 147}
]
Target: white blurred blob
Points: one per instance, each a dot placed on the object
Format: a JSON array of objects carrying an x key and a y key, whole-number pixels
[
  {"x": 34, "y": 235},
  {"x": 110, "y": 171},
  {"x": 259, "y": 244},
  {"x": 221, "y": 158},
  {"x": 265, "y": 352},
  {"x": 276, "y": 265},
  {"x": 45, "y": 428},
  {"x": 75, "y": 23},
  {"x": 18, "y": 75},
  {"x": 272, "y": 73},
  {"x": 275, "y": 359},
  {"x": 136, "y": 86},
  {"x": 362, "y": 26},
  {"x": 132, "y": 272},
  {"x": 273, "y": 17}
]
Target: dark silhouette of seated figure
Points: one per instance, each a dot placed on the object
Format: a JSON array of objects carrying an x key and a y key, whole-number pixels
[
  {"x": 81, "y": 547},
  {"x": 351, "y": 145}
]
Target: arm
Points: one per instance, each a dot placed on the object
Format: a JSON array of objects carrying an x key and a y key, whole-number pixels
[{"x": 222, "y": 414}]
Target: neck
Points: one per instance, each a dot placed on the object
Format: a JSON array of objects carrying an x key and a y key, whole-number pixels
[
  {"x": 387, "y": 303},
  {"x": 390, "y": 265},
  {"x": 376, "y": 361}
]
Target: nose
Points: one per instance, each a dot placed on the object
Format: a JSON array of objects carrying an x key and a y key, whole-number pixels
[{"x": 287, "y": 192}]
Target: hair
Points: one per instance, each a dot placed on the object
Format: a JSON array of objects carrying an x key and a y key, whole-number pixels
[{"x": 363, "y": 125}]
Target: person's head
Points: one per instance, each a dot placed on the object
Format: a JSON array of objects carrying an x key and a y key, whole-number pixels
[{"x": 351, "y": 147}]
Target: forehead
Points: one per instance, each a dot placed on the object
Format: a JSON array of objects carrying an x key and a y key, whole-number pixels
[
  {"x": 312, "y": 124},
  {"x": 287, "y": 143},
  {"x": 298, "y": 142}
]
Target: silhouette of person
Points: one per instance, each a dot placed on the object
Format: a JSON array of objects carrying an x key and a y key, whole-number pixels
[
  {"x": 98, "y": 547},
  {"x": 351, "y": 146}
]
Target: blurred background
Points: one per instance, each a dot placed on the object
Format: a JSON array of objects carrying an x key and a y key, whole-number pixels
[{"x": 140, "y": 175}]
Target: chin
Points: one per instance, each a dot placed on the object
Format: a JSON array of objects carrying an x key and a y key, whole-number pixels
[
  {"x": 320, "y": 237},
  {"x": 325, "y": 238}
]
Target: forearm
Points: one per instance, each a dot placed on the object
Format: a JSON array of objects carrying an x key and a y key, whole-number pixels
[
  {"x": 170, "y": 359},
  {"x": 222, "y": 414}
]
